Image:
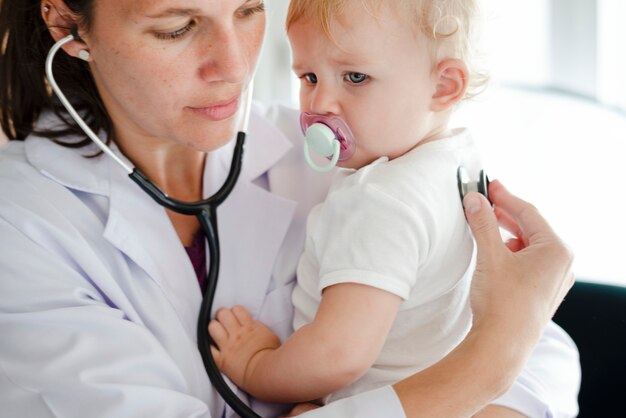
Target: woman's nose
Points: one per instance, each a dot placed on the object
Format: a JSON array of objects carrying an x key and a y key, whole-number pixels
[{"x": 226, "y": 56}]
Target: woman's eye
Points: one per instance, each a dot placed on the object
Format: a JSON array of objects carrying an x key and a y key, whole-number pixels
[
  {"x": 356, "y": 78},
  {"x": 259, "y": 8},
  {"x": 310, "y": 78},
  {"x": 168, "y": 36}
]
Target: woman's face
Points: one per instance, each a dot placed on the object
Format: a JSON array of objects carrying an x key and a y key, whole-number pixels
[{"x": 173, "y": 71}]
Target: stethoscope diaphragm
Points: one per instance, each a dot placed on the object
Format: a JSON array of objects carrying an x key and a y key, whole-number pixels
[{"x": 466, "y": 185}]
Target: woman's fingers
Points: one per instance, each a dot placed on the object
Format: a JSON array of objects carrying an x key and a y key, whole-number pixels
[
  {"x": 483, "y": 223},
  {"x": 531, "y": 223},
  {"x": 507, "y": 222},
  {"x": 515, "y": 245}
]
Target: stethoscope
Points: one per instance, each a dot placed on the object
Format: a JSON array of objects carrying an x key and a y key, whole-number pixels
[{"x": 206, "y": 210}]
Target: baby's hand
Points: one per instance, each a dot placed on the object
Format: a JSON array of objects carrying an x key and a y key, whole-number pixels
[{"x": 239, "y": 338}]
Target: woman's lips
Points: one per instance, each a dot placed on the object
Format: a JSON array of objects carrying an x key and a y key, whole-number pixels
[{"x": 220, "y": 111}]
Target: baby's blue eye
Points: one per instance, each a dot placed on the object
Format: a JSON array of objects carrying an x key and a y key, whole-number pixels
[
  {"x": 311, "y": 78},
  {"x": 356, "y": 78}
]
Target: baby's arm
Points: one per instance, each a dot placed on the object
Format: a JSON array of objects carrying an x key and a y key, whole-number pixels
[{"x": 334, "y": 350}]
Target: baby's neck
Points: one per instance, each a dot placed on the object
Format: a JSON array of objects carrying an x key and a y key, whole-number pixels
[
  {"x": 439, "y": 132},
  {"x": 444, "y": 132}
]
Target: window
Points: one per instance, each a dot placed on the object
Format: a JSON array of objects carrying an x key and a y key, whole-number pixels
[{"x": 552, "y": 126}]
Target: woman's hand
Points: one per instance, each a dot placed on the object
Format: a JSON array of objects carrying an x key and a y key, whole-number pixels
[
  {"x": 518, "y": 284},
  {"x": 516, "y": 288}
]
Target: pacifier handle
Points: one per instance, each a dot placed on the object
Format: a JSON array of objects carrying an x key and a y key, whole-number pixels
[{"x": 323, "y": 141}]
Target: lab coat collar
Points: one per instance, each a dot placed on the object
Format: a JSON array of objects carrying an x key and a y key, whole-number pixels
[
  {"x": 78, "y": 169},
  {"x": 135, "y": 224},
  {"x": 252, "y": 222},
  {"x": 265, "y": 146}
]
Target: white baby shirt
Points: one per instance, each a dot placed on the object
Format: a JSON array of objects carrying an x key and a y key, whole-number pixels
[{"x": 399, "y": 226}]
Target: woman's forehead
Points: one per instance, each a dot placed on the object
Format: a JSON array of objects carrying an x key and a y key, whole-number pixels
[{"x": 158, "y": 7}]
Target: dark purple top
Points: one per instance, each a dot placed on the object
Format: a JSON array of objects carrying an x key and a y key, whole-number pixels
[{"x": 197, "y": 254}]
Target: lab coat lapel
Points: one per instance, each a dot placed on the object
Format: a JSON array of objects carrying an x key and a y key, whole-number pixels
[
  {"x": 141, "y": 229},
  {"x": 135, "y": 224},
  {"x": 252, "y": 224},
  {"x": 253, "y": 221}
]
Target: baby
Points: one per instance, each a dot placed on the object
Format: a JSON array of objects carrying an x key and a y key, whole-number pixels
[{"x": 383, "y": 284}]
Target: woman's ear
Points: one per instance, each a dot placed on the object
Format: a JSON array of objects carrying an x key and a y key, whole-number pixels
[
  {"x": 451, "y": 77},
  {"x": 60, "y": 20}
]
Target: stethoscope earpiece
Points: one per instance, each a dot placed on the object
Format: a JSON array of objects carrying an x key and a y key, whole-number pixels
[{"x": 465, "y": 185}]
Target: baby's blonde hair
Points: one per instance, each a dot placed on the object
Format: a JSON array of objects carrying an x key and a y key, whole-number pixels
[{"x": 449, "y": 24}]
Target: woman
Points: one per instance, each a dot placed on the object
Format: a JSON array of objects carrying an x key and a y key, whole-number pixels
[{"x": 99, "y": 300}]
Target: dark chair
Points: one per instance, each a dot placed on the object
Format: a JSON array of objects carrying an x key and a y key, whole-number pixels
[{"x": 594, "y": 315}]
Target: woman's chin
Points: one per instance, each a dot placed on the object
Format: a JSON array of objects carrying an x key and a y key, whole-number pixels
[{"x": 212, "y": 138}]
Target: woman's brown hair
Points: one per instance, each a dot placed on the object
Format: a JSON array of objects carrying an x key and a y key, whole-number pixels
[{"x": 24, "y": 92}]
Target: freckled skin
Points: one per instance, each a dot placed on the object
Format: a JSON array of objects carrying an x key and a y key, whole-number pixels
[{"x": 148, "y": 84}]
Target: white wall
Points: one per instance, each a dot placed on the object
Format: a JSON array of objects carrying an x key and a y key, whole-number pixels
[
  {"x": 612, "y": 52},
  {"x": 560, "y": 152},
  {"x": 273, "y": 78}
]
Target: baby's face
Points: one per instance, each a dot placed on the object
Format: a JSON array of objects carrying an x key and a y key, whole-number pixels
[{"x": 377, "y": 76}]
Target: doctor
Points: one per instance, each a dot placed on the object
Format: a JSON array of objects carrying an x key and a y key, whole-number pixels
[{"x": 98, "y": 294}]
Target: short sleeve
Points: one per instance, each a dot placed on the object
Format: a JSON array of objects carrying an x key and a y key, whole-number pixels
[{"x": 365, "y": 235}]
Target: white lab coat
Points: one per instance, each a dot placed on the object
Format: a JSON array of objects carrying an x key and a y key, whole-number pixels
[{"x": 99, "y": 301}]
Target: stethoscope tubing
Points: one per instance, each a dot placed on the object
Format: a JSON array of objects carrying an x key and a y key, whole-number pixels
[
  {"x": 205, "y": 210},
  {"x": 70, "y": 109}
]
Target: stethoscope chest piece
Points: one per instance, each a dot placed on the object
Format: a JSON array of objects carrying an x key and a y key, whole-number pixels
[{"x": 466, "y": 185}]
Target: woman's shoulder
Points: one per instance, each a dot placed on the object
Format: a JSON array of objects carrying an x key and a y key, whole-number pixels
[
  {"x": 11, "y": 151},
  {"x": 15, "y": 169},
  {"x": 28, "y": 190}
]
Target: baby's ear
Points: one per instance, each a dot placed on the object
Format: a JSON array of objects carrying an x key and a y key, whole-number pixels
[{"x": 451, "y": 78}]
